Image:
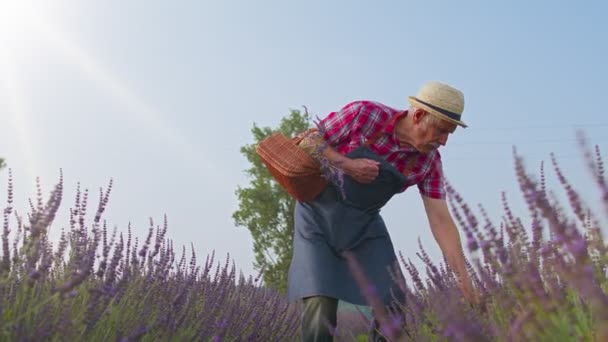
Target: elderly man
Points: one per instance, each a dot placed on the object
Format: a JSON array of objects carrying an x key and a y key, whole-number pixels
[{"x": 382, "y": 151}]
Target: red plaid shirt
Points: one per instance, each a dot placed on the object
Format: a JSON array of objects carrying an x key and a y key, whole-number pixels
[{"x": 358, "y": 121}]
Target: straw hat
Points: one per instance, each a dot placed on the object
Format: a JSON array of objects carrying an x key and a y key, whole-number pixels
[{"x": 441, "y": 100}]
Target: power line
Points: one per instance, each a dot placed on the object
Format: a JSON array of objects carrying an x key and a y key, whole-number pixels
[
  {"x": 501, "y": 155},
  {"x": 524, "y": 156},
  {"x": 550, "y": 141},
  {"x": 499, "y": 128}
]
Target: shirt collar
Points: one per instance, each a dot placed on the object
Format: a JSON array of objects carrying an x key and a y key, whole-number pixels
[{"x": 390, "y": 127}]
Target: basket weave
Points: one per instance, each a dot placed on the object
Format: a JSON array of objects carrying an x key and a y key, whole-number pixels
[{"x": 291, "y": 166}]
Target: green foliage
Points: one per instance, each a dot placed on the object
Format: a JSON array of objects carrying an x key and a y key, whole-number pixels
[
  {"x": 2, "y": 163},
  {"x": 266, "y": 209}
]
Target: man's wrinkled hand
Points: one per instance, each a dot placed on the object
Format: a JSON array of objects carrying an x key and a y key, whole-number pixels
[
  {"x": 471, "y": 295},
  {"x": 362, "y": 170}
]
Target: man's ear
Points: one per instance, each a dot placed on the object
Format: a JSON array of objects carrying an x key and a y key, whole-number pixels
[{"x": 418, "y": 114}]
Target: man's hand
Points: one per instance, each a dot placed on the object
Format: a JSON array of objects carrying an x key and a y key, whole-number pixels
[
  {"x": 446, "y": 234},
  {"x": 362, "y": 170},
  {"x": 470, "y": 293}
]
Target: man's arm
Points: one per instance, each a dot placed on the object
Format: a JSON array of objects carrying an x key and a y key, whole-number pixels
[
  {"x": 362, "y": 170},
  {"x": 446, "y": 234}
]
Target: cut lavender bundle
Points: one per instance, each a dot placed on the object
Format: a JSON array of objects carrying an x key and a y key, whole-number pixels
[{"x": 315, "y": 144}]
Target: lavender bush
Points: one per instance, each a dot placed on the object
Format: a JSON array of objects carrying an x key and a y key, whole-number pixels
[
  {"x": 101, "y": 285},
  {"x": 540, "y": 278},
  {"x": 542, "y": 281}
]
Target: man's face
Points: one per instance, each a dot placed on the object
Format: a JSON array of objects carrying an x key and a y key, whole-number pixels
[{"x": 431, "y": 135}]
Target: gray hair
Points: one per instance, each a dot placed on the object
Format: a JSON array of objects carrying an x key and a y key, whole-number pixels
[{"x": 428, "y": 119}]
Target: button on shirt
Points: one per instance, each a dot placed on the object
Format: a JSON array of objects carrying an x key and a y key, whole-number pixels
[{"x": 358, "y": 121}]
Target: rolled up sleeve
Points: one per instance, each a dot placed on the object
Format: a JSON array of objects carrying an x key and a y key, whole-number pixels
[{"x": 433, "y": 184}]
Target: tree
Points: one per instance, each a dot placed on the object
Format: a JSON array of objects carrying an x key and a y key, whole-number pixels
[
  {"x": 2, "y": 164},
  {"x": 266, "y": 209}
]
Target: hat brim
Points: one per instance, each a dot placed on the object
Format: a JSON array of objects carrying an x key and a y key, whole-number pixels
[{"x": 414, "y": 101}]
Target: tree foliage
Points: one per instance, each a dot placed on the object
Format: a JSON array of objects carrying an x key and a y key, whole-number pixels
[
  {"x": 2, "y": 164},
  {"x": 266, "y": 210}
]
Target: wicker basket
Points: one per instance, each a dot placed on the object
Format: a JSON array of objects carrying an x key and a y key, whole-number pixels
[{"x": 291, "y": 166}]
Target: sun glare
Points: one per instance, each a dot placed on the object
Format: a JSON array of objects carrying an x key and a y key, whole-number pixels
[
  {"x": 23, "y": 22},
  {"x": 15, "y": 17}
]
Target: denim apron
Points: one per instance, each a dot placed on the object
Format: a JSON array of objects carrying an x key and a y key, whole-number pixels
[{"x": 330, "y": 224}]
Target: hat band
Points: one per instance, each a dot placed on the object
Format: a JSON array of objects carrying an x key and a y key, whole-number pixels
[{"x": 447, "y": 113}]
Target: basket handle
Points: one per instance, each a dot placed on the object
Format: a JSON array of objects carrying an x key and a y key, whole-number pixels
[{"x": 302, "y": 135}]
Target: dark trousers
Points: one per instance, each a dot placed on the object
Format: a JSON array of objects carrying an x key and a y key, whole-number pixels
[{"x": 319, "y": 319}]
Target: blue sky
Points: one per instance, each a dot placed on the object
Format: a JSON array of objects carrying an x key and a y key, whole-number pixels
[{"x": 160, "y": 95}]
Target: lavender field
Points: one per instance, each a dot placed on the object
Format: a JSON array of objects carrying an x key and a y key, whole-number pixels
[{"x": 544, "y": 281}]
